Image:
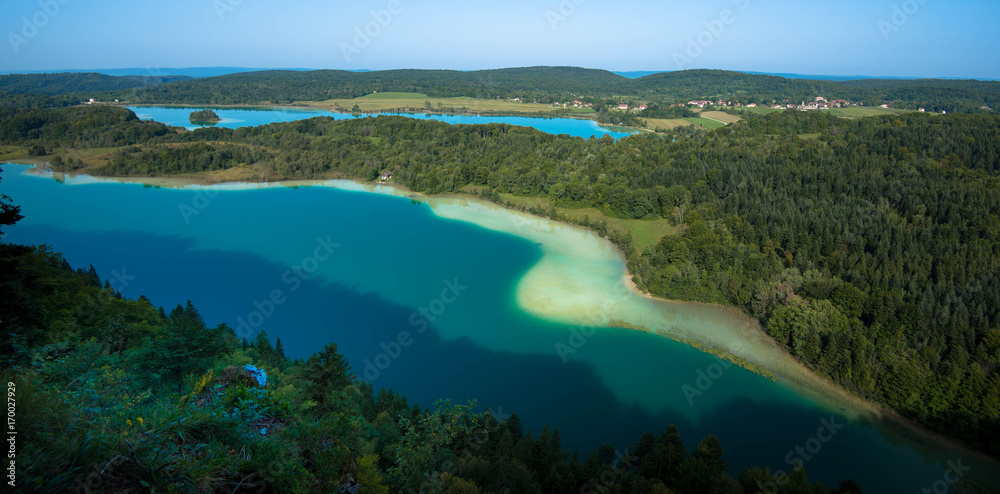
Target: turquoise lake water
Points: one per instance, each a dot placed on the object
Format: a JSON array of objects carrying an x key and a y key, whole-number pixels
[
  {"x": 365, "y": 270},
  {"x": 239, "y": 117}
]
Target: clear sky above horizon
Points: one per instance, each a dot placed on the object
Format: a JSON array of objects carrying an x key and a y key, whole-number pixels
[{"x": 911, "y": 38}]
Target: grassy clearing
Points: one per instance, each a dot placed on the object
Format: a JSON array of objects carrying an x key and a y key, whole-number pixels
[
  {"x": 12, "y": 152},
  {"x": 858, "y": 112},
  {"x": 723, "y": 117},
  {"x": 706, "y": 122},
  {"x": 391, "y": 101},
  {"x": 645, "y": 233},
  {"x": 91, "y": 157},
  {"x": 760, "y": 110},
  {"x": 666, "y": 123}
]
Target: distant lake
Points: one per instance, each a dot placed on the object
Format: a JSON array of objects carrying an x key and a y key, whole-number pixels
[
  {"x": 247, "y": 117},
  {"x": 495, "y": 306}
]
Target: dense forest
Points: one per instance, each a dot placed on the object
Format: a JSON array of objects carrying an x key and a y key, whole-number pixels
[
  {"x": 68, "y": 83},
  {"x": 541, "y": 84},
  {"x": 116, "y": 395},
  {"x": 869, "y": 248}
]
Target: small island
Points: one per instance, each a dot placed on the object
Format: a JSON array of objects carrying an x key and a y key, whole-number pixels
[{"x": 204, "y": 116}]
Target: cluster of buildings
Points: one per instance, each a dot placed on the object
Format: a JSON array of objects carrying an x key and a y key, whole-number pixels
[
  {"x": 623, "y": 106},
  {"x": 581, "y": 104},
  {"x": 820, "y": 103}
]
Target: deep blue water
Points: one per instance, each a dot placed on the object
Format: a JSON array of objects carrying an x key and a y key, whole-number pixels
[
  {"x": 246, "y": 117},
  {"x": 389, "y": 257}
]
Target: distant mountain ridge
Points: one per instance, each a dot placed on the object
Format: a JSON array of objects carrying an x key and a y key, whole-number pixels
[
  {"x": 191, "y": 72},
  {"x": 66, "y": 83},
  {"x": 199, "y": 72}
]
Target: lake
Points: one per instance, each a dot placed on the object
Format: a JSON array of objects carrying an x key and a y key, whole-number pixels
[
  {"x": 446, "y": 298},
  {"x": 246, "y": 117}
]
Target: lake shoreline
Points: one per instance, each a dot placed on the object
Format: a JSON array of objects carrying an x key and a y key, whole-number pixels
[
  {"x": 543, "y": 114},
  {"x": 807, "y": 380},
  {"x": 903, "y": 426},
  {"x": 344, "y": 111}
]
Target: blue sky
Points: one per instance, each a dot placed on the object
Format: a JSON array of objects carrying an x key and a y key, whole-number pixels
[{"x": 932, "y": 38}]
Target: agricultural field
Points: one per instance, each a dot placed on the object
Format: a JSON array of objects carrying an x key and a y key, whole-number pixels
[
  {"x": 726, "y": 118},
  {"x": 666, "y": 123},
  {"x": 861, "y": 111},
  {"x": 708, "y": 123}
]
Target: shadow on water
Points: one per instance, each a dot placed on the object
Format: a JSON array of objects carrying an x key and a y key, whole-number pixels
[{"x": 539, "y": 387}]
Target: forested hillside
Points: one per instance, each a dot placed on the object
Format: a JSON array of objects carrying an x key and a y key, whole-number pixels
[
  {"x": 117, "y": 395},
  {"x": 542, "y": 84},
  {"x": 716, "y": 84},
  {"x": 869, "y": 248},
  {"x": 77, "y": 82}
]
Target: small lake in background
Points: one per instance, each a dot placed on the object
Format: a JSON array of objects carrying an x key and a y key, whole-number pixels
[{"x": 248, "y": 117}]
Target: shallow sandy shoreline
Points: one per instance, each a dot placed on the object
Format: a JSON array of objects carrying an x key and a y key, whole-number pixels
[
  {"x": 803, "y": 378},
  {"x": 872, "y": 412}
]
